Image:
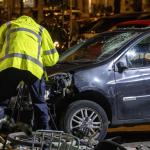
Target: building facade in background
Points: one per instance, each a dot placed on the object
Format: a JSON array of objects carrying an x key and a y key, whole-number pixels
[
  {"x": 87, "y": 7},
  {"x": 106, "y": 7}
]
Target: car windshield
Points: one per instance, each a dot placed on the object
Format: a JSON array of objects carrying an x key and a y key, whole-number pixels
[{"x": 99, "y": 48}]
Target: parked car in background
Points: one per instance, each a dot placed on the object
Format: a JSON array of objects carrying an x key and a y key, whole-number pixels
[
  {"x": 132, "y": 24},
  {"x": 105, "y": 23},
  {"x": 85, "y": 24},
  {"x": 102, "y": 82}
]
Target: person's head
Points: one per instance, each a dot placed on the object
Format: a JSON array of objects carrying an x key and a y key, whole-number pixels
[
  {"x": 27, "y": 12},
  {"x": 14, "y": 16}
]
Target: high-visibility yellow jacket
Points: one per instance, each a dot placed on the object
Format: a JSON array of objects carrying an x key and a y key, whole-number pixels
[{"x": 26, "y": 45}]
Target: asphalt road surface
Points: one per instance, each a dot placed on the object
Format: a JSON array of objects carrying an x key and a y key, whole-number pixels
[
  {"x": 131, "y": 136},
  {"x": 138, "y": 132}
]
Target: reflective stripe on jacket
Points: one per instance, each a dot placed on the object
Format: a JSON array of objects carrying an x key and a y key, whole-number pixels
[{"x": 26, "y": 45}]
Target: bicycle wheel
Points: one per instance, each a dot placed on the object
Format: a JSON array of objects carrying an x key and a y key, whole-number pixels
[{"x": 51, "y": 140}]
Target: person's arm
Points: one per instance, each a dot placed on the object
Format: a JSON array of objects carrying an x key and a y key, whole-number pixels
[
  {"x": 2, "y": 34},
  {"x": 50, "y": 54}
]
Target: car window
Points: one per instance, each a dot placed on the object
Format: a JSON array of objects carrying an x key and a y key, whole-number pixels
[
  {"x": 139, "y": 55},
  {"x": 101, "y": 49}
]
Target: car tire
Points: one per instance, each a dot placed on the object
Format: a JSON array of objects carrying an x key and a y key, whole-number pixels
[{"x": 78, "y": 120}]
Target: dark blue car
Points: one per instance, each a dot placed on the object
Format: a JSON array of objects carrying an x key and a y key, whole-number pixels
[{"x": 103, "y": 82}]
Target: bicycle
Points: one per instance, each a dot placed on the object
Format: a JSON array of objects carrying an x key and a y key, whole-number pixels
[
  {"x": 45, "y": 140},
  {"x": 41, "y": 140}
]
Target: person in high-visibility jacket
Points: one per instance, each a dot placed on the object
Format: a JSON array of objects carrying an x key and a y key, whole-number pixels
[{"x": 25, "y": 49}]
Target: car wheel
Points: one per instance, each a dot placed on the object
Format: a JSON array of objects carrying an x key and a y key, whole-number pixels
[{"x": 86, "y": 120}]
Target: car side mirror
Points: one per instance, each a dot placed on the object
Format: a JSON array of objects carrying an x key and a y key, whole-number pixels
[{"x": 121, "y": 66}]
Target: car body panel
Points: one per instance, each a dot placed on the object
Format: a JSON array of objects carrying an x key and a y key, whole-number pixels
[{"x": 129, "y": 97}]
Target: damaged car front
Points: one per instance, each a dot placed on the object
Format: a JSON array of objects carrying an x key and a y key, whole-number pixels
[{"x": 82, "y": 85}]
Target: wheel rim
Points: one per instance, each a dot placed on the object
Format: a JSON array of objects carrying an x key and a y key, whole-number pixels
[{"x": 88, "y": 121}]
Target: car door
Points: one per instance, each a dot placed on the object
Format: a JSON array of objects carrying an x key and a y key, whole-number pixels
[
  {"x": 133, "y": 98},
  {"x": 145, "y": 44}
]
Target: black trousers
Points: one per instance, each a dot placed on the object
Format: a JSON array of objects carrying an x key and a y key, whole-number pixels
[{"x": 9, "y": 80}]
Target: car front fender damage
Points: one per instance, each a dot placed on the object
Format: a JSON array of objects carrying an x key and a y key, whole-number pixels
[{"x": 59, "y": 86}]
